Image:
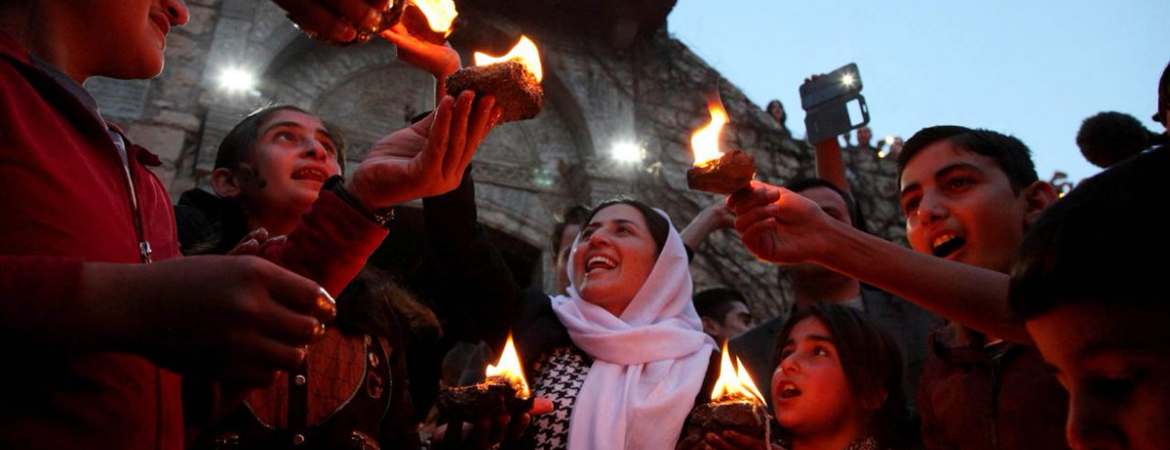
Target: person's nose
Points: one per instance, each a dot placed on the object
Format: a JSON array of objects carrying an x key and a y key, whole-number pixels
[
  {"x": 176, "y": 11},
  {"x": 1092, "y": 424}
]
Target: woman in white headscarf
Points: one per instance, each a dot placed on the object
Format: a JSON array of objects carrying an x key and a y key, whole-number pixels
[{"x": 622, "y": 356}]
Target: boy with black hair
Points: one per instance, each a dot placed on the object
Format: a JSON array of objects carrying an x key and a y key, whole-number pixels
[
  {"x": 561, "y": 241},
  {"x": 1084, "y": 283},
  {"x": 724, "y": 312},
  {"x": 968, "y": 196}
]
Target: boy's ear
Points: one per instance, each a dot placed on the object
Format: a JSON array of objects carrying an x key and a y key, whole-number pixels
[
  {"x": 711, "y": 326},
  {"x": 225, "y": 183},
  {"x": 1037, "y": 198}
]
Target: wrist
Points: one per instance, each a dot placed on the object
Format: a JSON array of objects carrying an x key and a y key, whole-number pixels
[{"x": 347, "y": 192}]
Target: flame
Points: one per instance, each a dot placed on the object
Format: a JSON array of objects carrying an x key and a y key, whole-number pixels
[
  {"x": 508, "y": 368},
  {"x": 733, "y": 383},
  {"x": 524, "y": 52},
  {"x": 440, "y": 14},
  {"x": 705, "y": 141}
]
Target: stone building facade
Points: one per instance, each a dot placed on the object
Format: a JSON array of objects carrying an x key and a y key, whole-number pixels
[{"x": 613, "y": 75}]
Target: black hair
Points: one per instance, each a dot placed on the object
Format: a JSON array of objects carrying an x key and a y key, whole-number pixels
[
  {"x": 573, "y": 215},
  {"x": 776, "y": 104},
  {"x": 871, "y": 361},
  {"x": 1013, "y": 157},
  {"x": 715, "y": 303},
  {"x": 1096, "y": 243},
  {"x": 1163, "y": 97},
  {"x": 658, "y": 225},
  {"x": 855, "y": 214},
  {"x": 1109, "y": 137}
]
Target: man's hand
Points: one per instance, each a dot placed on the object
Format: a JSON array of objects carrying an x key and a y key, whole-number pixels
[
  {"x": 714, "y": 217},
  {"x": 238, "y": 319},
  {"x": 489, "y": 431},
  {"x": 336, "y": 21},
  {"x": 439, "y": 60},
  {"x": 778, "y": 225},
  {"x": 425, "y": 159}
]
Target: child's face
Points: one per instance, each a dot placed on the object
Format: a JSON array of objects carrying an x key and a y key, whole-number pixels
[
  {"x": 810, "y": 393},
  {"x": 959, "y": 205},
  {"x": 1115, "y": 363},
  {"x": 293, "y": 156},
  {"x": 123, "y": 38}
]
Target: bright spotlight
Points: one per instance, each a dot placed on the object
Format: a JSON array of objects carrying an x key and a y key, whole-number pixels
[
  {"x": 237, "y": 80},
  {"x": 627, "y": 152},
  {"x": 847, "y": 79}
]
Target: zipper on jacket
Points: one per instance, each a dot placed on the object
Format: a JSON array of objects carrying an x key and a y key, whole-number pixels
[{"x": 145, "y": 252}]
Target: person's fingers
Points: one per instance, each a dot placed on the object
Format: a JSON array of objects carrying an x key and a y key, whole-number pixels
[
  {"x": 759, "y": 194},
  {"x": 498, "y": 428},
  {"x": 458, "y": 139},
  {"x": 519, "y": 423},
  {"x": 478, "y": 127},
  {"x": 481, "y": 431},
  {"x": 540, "y": 406},
  {"x": 317, "y": 21},
  {"x": 437, "y": 139},
  {"x": 247, "y": 247},
  {"x": 287, "y": 326},
  {"x": 747, "y": 219},
  {"x": 296, "y": 292},
  {"x": 454, "y": 435},
  {"x": 743, "y": 440}
]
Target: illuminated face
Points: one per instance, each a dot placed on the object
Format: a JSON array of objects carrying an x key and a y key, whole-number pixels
[
  {"x": 736, "y": 321},
  {"x": 810, "y": 394},
  {"x": 561, "y": 263},
  {"x": 122, "y": 38},
  {"x": 1114, "y": 360},
  {"x": 959, "y": 205},
  {"x": 614, "y": 257},
  {"x": 293, "y": 156}
]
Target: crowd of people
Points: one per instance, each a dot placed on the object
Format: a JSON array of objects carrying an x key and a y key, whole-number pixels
[{"x": 1017, "y": 319}]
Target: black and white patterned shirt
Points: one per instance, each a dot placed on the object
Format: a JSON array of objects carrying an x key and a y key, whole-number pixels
[{"x": 558, "y": 377}]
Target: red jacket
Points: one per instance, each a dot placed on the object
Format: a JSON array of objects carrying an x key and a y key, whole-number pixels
[{"x": 65, "y": 199}]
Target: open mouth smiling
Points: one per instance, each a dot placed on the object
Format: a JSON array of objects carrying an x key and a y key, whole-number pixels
[
  {"x": 596, "y": 263},
  {"x": 789, "y": 390},
  {"x": 947, "y": 245},
  {"x": 311, "y": 174}
]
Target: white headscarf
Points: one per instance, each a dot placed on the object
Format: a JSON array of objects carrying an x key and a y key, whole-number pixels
[{"x": 648, "y": 365}]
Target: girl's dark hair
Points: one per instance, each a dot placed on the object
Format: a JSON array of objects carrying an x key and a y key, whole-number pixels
[
  {"x": 658, "y": 225},
  {"x": 872, "y": 364}
]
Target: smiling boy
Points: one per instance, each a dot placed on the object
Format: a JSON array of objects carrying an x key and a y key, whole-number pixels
[{"x": 969, "y": 196}]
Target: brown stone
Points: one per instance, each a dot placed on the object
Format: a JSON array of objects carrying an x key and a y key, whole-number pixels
[
  {"x": 517, "y": 92},
  {"x": 740, "y": 416},
  {"x": 490, "y": 398},
  {"x": 731, "y": 172}
]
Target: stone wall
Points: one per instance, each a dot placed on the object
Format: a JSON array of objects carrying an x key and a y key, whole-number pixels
[{"x": 650, "y": 89}]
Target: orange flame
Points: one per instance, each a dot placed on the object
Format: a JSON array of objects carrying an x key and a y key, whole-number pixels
[
  {"x": 508, "y": 368},
  {"x": 524, "y": 52},
  {"x": 733, "y": 383},
  {"x": 440, "y": 14},
  {"x": 705, "y": 141}
]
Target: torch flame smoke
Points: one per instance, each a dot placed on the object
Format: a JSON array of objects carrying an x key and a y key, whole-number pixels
[
  {"x": 440, "y": 14},
  {"x": 508, "y": 368},
  {"x": 734, "y": 384},
  {"x": 524, "y": 52},
  {"x": 705, "y": 141}
]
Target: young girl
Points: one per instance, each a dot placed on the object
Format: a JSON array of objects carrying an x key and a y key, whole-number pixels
[{"x": 837, "y": 385}]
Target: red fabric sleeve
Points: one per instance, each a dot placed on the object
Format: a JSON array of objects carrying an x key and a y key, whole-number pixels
[{"x": 330, "y": 245}]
